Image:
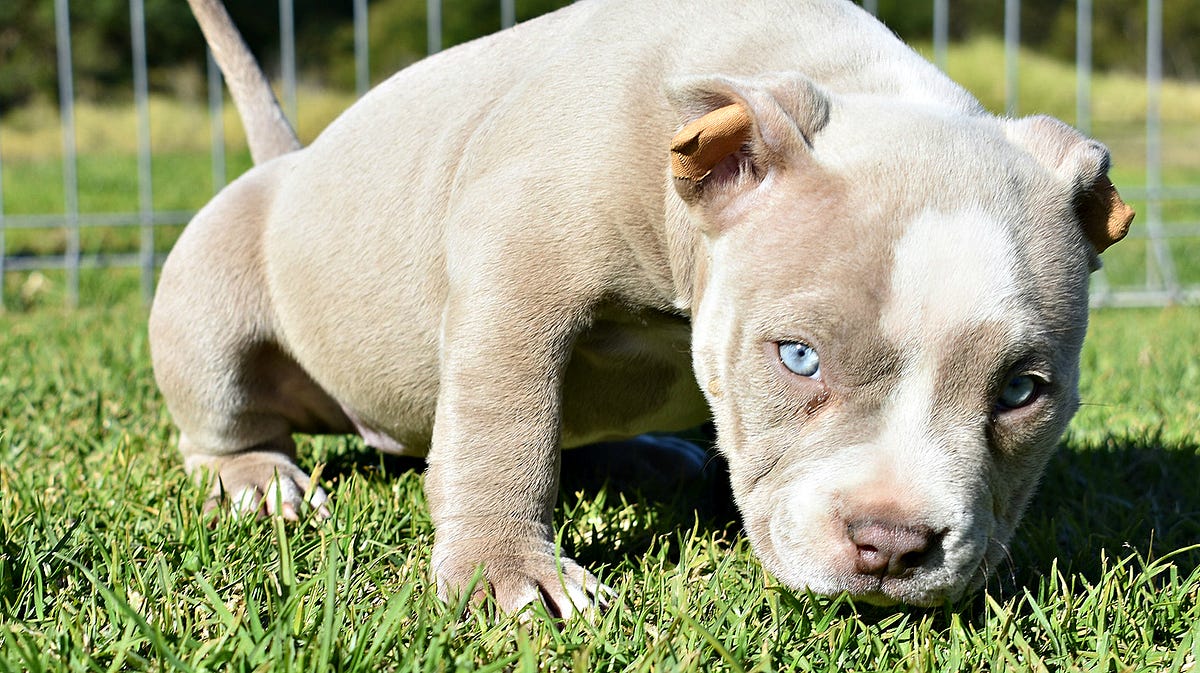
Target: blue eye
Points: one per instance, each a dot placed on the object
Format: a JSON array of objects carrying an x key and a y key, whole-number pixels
[
  {"x": 1020, "y": 391},
  {"x": 800, "y": 358}
]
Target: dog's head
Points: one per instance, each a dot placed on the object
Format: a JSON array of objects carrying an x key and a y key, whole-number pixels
[{"x": 888, "y": 301}]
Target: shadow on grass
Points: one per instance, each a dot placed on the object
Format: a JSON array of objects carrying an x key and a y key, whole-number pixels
[
  {"x": 1097, "y": 501},
  {"x": 674, "y": 485},
  {"x": 1123, "y": 495}
]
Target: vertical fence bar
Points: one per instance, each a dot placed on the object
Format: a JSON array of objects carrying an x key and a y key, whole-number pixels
[
  {"x": 871, "y": 6},
  {"x": 508, "y": 13},
  {"x": 362, "y": 70},
  {"x": 141, "y": 93},
  {"x": 1157, "y": 254},
  {"x": 216, "y": 117},
  {"x": 1012, "y": 50},
  {"x": 3, "y": 227},
  {"x": 66, "y": 103},
  {"x": 941, "y": 31},
  {"x": 433, "y": 25},
  {"x": 1083, "y": 110},
  {"x": 1083, "y": 66},
  {"x": 287, "y": 55}
]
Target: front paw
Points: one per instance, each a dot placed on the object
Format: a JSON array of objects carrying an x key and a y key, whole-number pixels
[{"x": 516, "y": 574}]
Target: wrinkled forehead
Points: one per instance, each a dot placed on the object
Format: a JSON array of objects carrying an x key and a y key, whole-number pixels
[
  {"x": 950, "y": 272},
  {"x": 903, "y": 265},
  {"x": 911, "y": 225}
]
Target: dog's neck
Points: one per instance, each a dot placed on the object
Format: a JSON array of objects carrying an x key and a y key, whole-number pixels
[{"x": 685, "y": 252}]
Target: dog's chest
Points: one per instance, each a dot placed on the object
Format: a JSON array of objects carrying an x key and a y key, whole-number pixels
[{"x": 629, "y": 374}]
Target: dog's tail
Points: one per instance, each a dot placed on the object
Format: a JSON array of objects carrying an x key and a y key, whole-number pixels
[{"x": 267, "y": 129}]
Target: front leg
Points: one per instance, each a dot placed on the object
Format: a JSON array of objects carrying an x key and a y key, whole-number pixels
[{"x": 494, "y": 464}]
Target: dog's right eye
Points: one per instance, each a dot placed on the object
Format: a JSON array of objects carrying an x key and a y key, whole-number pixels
[
  {"x": 800, "y": 358},
  {"x": 1020, "y": 391}
]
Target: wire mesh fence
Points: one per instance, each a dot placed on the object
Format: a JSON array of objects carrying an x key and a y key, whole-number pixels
[{"x": 1158, "y": 267}]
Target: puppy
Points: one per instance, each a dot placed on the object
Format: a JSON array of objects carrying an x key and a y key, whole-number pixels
[{"x": 629, "y": 216}]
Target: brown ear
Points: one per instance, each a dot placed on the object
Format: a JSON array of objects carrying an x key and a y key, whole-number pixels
[
  {"x": 1084, "y": 163},
  {"x": 705, "y": 142},
  {"x": 1104, "y": 216},
  {"x": 737, "y": 131}
]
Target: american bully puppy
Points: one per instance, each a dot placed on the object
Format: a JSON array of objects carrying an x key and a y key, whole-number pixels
[{"x": 549, "y": 236}]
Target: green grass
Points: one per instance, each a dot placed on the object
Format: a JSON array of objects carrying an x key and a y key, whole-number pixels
[{"x": 106, "y": 562}]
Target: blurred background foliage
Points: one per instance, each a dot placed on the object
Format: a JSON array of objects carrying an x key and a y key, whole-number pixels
[
  {"x": 1048, "y": 26},
  {"x": 100, "y": 32}
]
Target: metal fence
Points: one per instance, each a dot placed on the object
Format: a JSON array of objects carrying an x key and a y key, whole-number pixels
[{"x": 1159, "y": 285}]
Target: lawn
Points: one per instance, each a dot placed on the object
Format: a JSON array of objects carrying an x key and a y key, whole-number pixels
[{"x": 106, "y": 562}]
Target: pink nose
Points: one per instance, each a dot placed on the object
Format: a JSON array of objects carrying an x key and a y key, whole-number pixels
[{"x": 889, "y": 550}]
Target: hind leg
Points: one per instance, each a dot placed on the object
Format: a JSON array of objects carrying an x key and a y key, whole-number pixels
[
  {"x": 235, "y": 395},
  {"x": 244, "y": 451}
]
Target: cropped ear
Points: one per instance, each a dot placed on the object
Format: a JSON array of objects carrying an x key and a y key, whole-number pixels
[
  {"x": 735, "y": 132},
  {"x": 704, "y": 143},
  {"x": 1084, "y": 163}
]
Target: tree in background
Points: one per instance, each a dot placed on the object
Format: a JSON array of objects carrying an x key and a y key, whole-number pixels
[
  {"x": 100, "y": 38},
  {"x": 1048, "y": 26},
  {"x": 26, "y": 50},
  {"x": 398, "y": 34}
]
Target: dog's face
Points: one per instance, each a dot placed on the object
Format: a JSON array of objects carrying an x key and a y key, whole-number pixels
[{"x": 887, "y": 327}]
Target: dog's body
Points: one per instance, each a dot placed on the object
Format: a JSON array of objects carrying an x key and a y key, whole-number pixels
[{"x": 486, "y": 259}]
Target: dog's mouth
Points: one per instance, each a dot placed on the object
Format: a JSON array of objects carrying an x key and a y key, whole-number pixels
[
  {"x": 948, "y": 568},
  {"x": 891, "y": 591},
  {"x": 922, "y": 588}
]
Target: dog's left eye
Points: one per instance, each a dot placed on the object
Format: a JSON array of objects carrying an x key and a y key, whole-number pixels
[
  {"x": 1021, "y": 390},
  {"x": 800, "y": 358}
]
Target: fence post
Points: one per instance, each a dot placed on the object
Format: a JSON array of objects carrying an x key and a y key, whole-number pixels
[
  {"x": 66, "y": 102},
  {"x": 433, "y": 25},
  {"x": 941, "y": 31},
  {"x": 3, "y": 227},
  {"x": 508, "y": 13},
  {"x": 1012, "y": 50},
  {"x": 287, "y": 56},
  {"x": 1083, "y": 66},
  {"x": 141, "y": 93},
  {"x": 1100, "y": 289},
  {"x": 362, "y": 70},
  {"x": 216, "y": 109},
  {"x": 1157, "y": 254}
]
